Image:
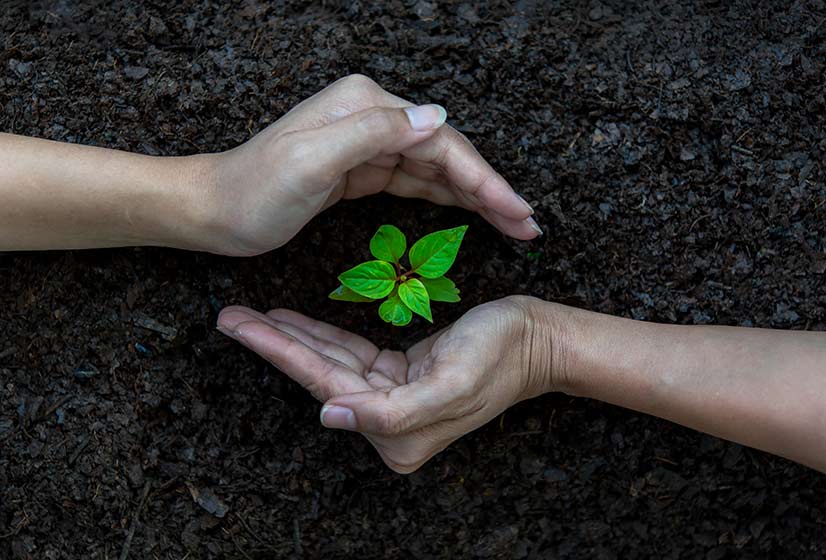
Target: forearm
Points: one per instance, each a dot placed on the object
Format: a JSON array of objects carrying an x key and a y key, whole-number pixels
[
  {"x": 758, "y": 387},
  {"x": 66, "y": 196}
]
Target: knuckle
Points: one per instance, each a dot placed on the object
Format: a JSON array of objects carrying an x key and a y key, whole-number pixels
[
  {"x": 481, "y": 182},
  {"x": 462, "y": 138},
  {"x": 327, "y": 371},
  {"x": 358, "y": 82},
  {"x": 322, "y": 387},
  {"x": 289, "y": 347},
  {"x": 277, "y": 314},
  {"x": 316, "y": 392},
  {"x": 453, "y": 139},
  {"x": 519, "y": 304},
  {"x": 443, "y": 154}
]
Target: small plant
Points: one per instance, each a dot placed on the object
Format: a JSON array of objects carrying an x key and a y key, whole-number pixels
[{"x": 410, "y": 290}]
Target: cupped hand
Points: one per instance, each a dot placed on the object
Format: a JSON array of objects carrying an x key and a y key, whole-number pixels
[
  {"x": 350, "y": 140},
  {"x": 409, "y": 405}
]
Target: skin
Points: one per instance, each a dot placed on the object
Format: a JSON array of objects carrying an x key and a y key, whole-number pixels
[
  {"x": 350, "y": 140},
  {"x": 762, "y": 388}
]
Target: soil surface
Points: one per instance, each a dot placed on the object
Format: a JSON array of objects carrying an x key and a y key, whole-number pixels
[{"x": 674, "y": 152}]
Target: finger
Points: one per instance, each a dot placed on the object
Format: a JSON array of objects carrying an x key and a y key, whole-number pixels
[
  {"x": 400, "y": 410},
  {"x": 386, "y": 370},
  {"x": 386, "y": 160},
  {"x": 380, "y": 382},
  {"x": 367, "y": 179},
  {"x": 424, "y": 170},
  {"x": 325, "y": 348},
  {"x": 382, "y": 369},
  {"x": 365, "y": 350},
  {"x": 408, "y": 186},
  {"x": 448, "y": 148},
  {"x": 524, "y": 230},
  {"x": 469, "y": 171},
  {"x": 421, "y": 349},
  {"x": 425, "y": 181},
  {"x": 348, "y": 142},
  {"x": 392, "y": 365},
  {"x": 321, "y": 375},
  {"x": 233, "y": 315}
]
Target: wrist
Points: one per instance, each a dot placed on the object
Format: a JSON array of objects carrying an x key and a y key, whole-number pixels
[
  {"x": 562, "y": 347},
  {"x": 545, "y": 338},
  {"x": 231, "y": 203},
  {"x": 597, "y": 354},
  {"x": 191, "y": 216}
]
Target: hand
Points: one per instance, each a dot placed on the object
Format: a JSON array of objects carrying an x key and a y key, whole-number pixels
[
  {"x": 350, "y": 140},
  {"x": 409, "y": 405}
]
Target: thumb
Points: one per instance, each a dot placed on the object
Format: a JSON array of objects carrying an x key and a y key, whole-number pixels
[
  {"x": 348, "y": 142},
  {"x": 400, "y": 410}
]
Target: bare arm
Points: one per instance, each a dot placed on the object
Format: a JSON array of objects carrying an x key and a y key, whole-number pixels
[
  {"x": 350, "y": 140},
  {"x": 65, "y": 196},
  {"x": 762, "y": 388}
]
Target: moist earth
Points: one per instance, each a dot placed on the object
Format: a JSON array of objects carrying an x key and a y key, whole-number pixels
[{"x": 674, "y": 152}]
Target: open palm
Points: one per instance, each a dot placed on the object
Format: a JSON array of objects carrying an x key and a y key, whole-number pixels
[{"x": 410, "y": 405}]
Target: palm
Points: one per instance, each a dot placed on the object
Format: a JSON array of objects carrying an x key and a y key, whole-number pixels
[
  {"x": 411, "y": 404},
  {"x": 329, "y": 361}
]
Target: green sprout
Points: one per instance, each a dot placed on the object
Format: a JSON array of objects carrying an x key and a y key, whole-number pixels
[{"x": 408, "y": 291}]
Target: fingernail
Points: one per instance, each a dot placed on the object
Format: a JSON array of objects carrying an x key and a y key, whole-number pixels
[
  {"x": 338, "y": 417},
  {"x": 535, "y": 226},
  {"x": 225, "y": 331},
  {"x": 426, "y": 117},
  {"x": 525, "y": 202}
]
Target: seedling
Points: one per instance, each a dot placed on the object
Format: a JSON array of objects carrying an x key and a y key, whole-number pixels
[{"x": 408, "y": 290}]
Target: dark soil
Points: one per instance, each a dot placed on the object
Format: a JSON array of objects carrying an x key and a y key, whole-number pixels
[{"x": 674, "y": 151}]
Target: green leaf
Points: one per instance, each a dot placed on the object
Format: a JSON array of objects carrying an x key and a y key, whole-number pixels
[
  {"x": 441, "y": 289},
  {"x": 389, "y": 244},
  {"x": 393, "y": 310},
  {"x": 414, "y": 295},
  {"x": 373, "y": 279},
  {"x": 433, "y": 255},
  {"x": 343, "y": 293}
]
